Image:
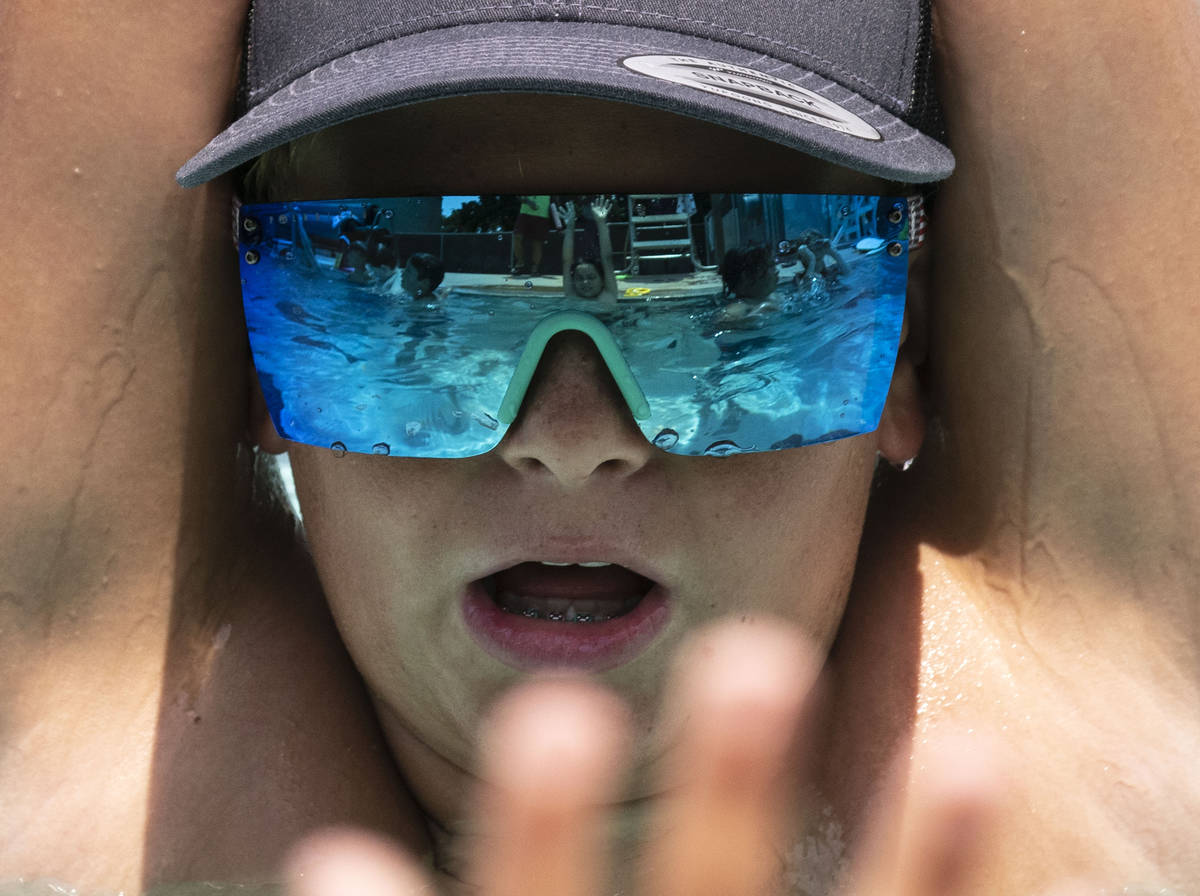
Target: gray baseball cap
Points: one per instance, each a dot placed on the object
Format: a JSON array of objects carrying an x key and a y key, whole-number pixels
[{"x": 848, "y": 81}]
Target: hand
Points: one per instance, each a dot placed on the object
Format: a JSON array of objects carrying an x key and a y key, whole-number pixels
[
  {"x": 601, "y": 207},
  {"x": 566, "y": 213},
  {"x": 732, "y": 712}
]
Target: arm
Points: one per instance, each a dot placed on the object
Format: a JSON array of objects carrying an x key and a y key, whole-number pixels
[
  {"x": 153, "y": 596},
  {"x": 1052, "y": 517},
  {"x": 808, "y": 261},
  {"x": 1065, "y": 351},
  {"x": 567, "y": 213},
  {"x": 842, "y": 268},
  {"x": 600, "y": 209},
  {"x": 301, "y": 244}
]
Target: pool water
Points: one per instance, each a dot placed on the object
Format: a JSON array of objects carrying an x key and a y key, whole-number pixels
[{"x": 357, "y": 369}]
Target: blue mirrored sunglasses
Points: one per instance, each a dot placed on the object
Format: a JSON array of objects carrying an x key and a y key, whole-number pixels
[{"x": 730, "y": 322}]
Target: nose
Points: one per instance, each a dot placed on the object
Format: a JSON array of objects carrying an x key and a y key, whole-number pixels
[{"x": 574, "y": 424}]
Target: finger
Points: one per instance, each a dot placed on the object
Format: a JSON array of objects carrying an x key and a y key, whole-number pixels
[
  {"x": 925, "y": 842},
  {"x": 737, "y": 695},
  {"x": 341, "y": 861},
  {"x": 552, "y": 757}
]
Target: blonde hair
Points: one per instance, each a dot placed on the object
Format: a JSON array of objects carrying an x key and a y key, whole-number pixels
[{"x": 271, "y": 177}]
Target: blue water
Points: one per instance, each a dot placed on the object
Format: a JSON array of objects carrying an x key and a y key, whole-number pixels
[{"x": 346, "y": 365}]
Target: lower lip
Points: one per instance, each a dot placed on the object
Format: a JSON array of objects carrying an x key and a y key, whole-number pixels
[{"x": 537, "y": 643}]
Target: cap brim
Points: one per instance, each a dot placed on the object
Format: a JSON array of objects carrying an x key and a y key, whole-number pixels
[{"x": 579, "y": 59}]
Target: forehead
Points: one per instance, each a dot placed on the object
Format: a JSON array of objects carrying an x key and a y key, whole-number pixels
[{"x": 515, "y": 143}]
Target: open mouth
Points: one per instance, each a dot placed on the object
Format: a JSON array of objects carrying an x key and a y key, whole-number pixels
[
  {"x": 579, "y": 593},
  {"x": 593, "y": 615}
]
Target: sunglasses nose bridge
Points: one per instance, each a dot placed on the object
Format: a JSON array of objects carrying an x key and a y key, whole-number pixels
[
  {"x": 604, "y": 343},
  {"x": 575, "y": 416}
]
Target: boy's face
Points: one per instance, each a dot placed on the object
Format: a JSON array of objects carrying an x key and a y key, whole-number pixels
[
  {"x": 587, "y": 280},
  {"x": 400, "y": 542}
]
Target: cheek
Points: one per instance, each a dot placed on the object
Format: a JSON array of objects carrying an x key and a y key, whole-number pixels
[
  {"x": 782, "y": 532},
  {"x": 379, "y": 529},
  {"x": 365, "y": 525}
]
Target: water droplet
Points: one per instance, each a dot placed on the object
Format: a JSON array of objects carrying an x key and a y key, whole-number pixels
[
  {"x": 381, "y": 448},
  {"x": 529, "y": 284},
  {"x": 338, "y": 449},
  {"x": 844, "y": 211},
  {"x": 487, "y": 421},
  {"x": 668, "y": 438},
  {"x": 723, "y": 448}
]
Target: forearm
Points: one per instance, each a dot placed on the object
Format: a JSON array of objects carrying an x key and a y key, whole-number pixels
[
  {"x": 107, "y": 314},
  {"x": 1066, "y": 340},
  {"x": 1057, "y": 495},
  {"x": 145, "y": 642},
  {"x": 568, "y": 245},
  {"x": 109, "y": 295},
  {"x": 568, "y": 257},
  {"x": 606, "y": 257}
]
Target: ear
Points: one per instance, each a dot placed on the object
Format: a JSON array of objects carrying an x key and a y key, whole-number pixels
[
  {"x": 259, "y": 426},
  {"x": 902, "y": 426}
]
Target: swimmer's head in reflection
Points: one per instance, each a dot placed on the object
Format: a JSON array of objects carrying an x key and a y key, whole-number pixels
[
  {"x": 749, "y": 273},
  {"x": 423, "y": 273},
  {"x": 588, "y": 278}
]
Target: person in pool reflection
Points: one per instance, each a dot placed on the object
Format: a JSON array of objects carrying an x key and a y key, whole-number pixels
[
  {"x": 749, "y": 278},
  {"x": 169, "y": 665},
  {"x": 529, "y": 233},
  {"x": 420, "y": 277},
  {"x": 591, "y": 277},
  {"x": 818, "y": 257}
]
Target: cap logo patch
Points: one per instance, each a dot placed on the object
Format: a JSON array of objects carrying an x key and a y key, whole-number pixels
[{"x": 745, "y": 85}]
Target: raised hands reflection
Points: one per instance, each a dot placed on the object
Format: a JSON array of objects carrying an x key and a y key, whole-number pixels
[
  {"x": 600, "y": 207},
  {"x": 566, "y": 213}
]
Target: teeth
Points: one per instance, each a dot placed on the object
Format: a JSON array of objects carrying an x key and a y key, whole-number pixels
[
  {"x": 591, "y": 564},
  {"x": 561, "y": 609}
]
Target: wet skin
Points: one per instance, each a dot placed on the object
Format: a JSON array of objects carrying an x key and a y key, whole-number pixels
[{"x": 398, "y": 541}]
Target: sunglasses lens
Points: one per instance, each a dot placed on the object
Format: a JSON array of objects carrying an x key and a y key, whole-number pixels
[{"x": 394, "y": 327}]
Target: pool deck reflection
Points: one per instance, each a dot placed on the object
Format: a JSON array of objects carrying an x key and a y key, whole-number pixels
[{"x": 633, "y": 288}]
